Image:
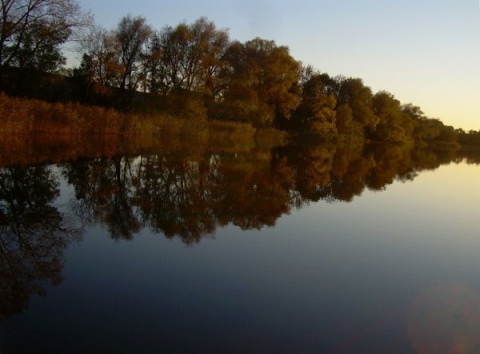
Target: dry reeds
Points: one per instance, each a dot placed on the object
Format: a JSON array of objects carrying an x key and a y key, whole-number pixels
[
  {"x": 40, "y": 131},
  {"x": 20, "y": 116}
]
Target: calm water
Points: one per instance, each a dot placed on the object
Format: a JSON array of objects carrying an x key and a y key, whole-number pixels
[{"x": 285, "y": 250}]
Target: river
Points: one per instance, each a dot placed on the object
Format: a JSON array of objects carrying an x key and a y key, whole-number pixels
[{"x": 293, "y": 249}]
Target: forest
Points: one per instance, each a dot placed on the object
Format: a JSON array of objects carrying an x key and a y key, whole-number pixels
[{"x": 196, "y": 72}]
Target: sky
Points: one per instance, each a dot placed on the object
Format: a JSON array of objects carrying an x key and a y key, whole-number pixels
[{"x": 424, "y": 52}]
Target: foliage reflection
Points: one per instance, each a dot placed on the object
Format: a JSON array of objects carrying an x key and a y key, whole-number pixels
[
  {"x": 186, "y": 195},
  {"x": 33, "y": 235},
  {"x": 190, "y": 195}
]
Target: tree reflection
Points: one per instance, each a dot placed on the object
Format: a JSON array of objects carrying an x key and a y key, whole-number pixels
[
  {"x": 33, "y": 235},
  {"x": 248, "y": 192},
  {"x": 180, "y": 195},
  {"x": 173, "y": 196},
  {"x": 190, "y": 195},
  {"x": 104, "y": 191}
]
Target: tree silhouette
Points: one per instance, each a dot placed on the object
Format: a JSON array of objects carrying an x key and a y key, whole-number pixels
[{"x": 32, "y": 31}]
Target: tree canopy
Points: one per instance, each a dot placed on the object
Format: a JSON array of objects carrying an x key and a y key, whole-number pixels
[
  {"x": 196, "y": 70},
  {"x": 32, "y": 31}
]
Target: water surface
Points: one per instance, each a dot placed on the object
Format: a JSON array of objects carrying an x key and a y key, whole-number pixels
[{"x": 294, "y": 249}]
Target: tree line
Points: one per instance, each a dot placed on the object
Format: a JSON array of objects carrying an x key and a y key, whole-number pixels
[{"x": 197, "y": 70}]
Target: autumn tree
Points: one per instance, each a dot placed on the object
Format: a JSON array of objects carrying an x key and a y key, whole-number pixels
[
  {"x": 115, "y": 56},
  {"x": 471, "y": 137},
  {"x": 188, "y": 58},
  {"x": 172, "y": 48},
  {"x": 152, "y": 64},
  {"x": 447, "y": 134},
  {"x": 415, "y": 119},
  {"x": 316, "y": 112},
  {"x": 101, "y": 62},
  {"x": 358, "y": 97},
  {"x": 264, "y": 82},
  {"x": 131, "y": 35},
  {"x": 345, "y": 123},
  {"x": 32, "y": 31},
  {"x": 390, "y": 126},
  {"x": 427, "y": 129}
]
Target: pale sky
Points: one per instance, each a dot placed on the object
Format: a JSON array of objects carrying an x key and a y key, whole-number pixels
[{"x": 425, "y": 52}]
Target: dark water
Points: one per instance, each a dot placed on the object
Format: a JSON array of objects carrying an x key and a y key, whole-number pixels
[{"x": 286, "y": 250}]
